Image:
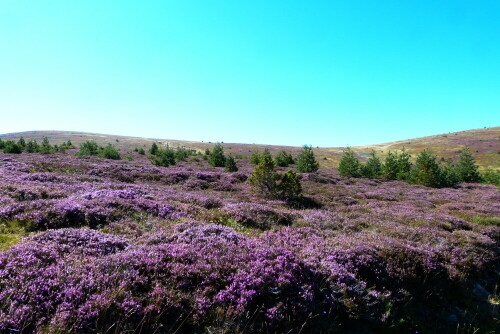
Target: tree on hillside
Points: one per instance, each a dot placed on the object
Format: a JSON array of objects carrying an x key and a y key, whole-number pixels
[
  {"x": 230, "y": 165},
  {"x": 22, "y": 143},
  {"x": 283, "y": 159},
  {"x": 349, "y": 164},
  {"x": 32, "y": 146},
  {"x": 88, "y": 148},
  {"x": 45, "y": 147},
  {"x": 154, "y": 149},
  {"x": 466, "y": 167},
  {"x": 306, "y": 161},
  {"x": 427, "y": 171},
  {"x": 255, "y": 157},
  {"x": 373, "y": 167},
  {"x": 10, "y": 146},
  {"x": 217, "y": 158}
]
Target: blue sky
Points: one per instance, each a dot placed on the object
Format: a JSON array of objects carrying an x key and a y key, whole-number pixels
[{"x": 326, "y": 73}]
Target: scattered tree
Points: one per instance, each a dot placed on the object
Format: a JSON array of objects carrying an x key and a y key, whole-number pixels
[
  {"x": 255, "y": 157},
  {"x": 349, "y": 164},
  {"x": 230, "y": 165},
  {"x": 283, "y": 159},
  {"x": 466, "y": 167},
  {"x": 306, "y": 161},
  {"x": 217, "y": 158},
  {"x": 109, "y": 152},
  {"x": 373, "y": 167},
  {"x": 88, "y": 148},
  {"x": 10, "y": 146},
  {"x": 154, "y": 149}
]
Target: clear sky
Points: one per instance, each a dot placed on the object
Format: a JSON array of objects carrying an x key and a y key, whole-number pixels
[{"x": 326, "y": 73}]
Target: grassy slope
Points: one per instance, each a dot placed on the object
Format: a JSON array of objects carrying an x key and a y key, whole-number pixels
[{"x": 484, "y": 144}]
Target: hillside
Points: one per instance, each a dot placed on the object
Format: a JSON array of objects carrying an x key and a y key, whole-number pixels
[{"x": 484, "y": 144}]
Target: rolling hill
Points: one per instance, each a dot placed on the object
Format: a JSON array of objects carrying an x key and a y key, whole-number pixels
[{"x": 484, "y": 144}]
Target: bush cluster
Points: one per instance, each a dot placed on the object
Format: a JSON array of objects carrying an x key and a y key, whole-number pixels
[
  {"x": 168, "y": 156},
  {"x": 32, "y": 146},
  {"x": 91, "y": 148},
  {"x": 426, "y": 171},
  {"x": 305, "y": 163}
]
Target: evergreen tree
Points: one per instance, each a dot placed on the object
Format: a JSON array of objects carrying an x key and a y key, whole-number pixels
[
  {"x": 22, "y": 143},
  {"x": 2, "y": 144},
  {"x": 230, "y": 165},
  {"x": 289, "y": 187},
  {"x": 217, "y": 158},
  {"x": 163, "y": 158},
  {"x": 390, "y": 169},
  {"x": 283, "y": 159},
  {"x": 306, "y": 161},
  {"x": 10, "y": 146},
  {"x": 88, "y": 148},
  {"x": 404, "y": 165},
  {"x": 255, "y": 157},
  {"x": 45, "y": 147},
  {"x": 263, "y": 178},
  {"x": 154, "y": 149},
  {"x": 373, "y": 167},
  {"x": 466, "y": 167},
  {"x": 349, "y": 164},
  {"x": 427, "y": 171},
  {"x": 109, "y": 152},
  {"x": 32, "y": 146}
]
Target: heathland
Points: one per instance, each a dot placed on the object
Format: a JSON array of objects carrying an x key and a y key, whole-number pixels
[{"x": 114, "y": 234}]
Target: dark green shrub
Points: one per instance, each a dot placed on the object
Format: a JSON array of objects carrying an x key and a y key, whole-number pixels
[
  {"x": 66, "y": 145},
  {"x": 373, "y": 167},
  {"x": 263, "y": 179},
  {"x": 2, "y": 144},
  {"x": 491, "y": 177},
  {"x": 32, "y": 146},
  {"x": 404, "y": 165},
  {"x": 141, "y": 151},
  {"x": 427, "y": 171},
  {"x": 45, "y": 147},
  {"x": 11, "y": 147},
  {"x": 255, "y": 157},
  {"x": 88, "y": 148},
  {"x": 109, "y": 152},
  {"x": 163, "y": 158},
  {"x": 466, "y": 167},
  {"x": 154, "y": 149},
  {"x": 181, "y": 153},
  {"x": 449, "y": 176},
  {"x": 22, "y": 143},
  {"x": 349, "y": 164},
  {"x": 216, "y": 157},
  {"x": 306, "y": 161},
  {"x": 230, "y": 165},
  {"x": 283, "y": 159},
  {"x": 397, "y": 166},
  {"x": 289, "y": 188}
]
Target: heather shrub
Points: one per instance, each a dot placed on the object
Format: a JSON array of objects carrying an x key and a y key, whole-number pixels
[
  {"x": 306, "y": 161},
  {"x": 88, "y": 148},
  {"x": 216, "y": 157},
  {"x": 466, "y": 167},
  {"x": 109, "y": 152},
  {"x": 11, "y": 147},
  {"x": 373, "y": 167},
  {"x": 230, "y": 164},
  {"x": 349, "y": 165},
  {"x": 283, "y": 159}
]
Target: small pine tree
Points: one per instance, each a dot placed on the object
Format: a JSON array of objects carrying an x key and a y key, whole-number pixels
[
  {"x": 373, "y": 167},
  {"x": 22, "y": 143},
  {"x": 390, "y": 169},
  {"x": 466, "y": 167},
  {"x": 289, "y": 188},
  {"x": 11, "y": 147},
  {"x": 255, "y": 157},
  {"x": 2, "y": 144},
  {"x": 163, "y": 158},
  {"x": 109, "y": 152},
  {"x": 427, "y": 171},
  {"x": 306, "y": 161},
  {"x": 154, "y": 149},
  {"x": 217, "y": 158},
  {"x": 32, "y": 146},
  {"x": 349, "y": 164},
  {"x": 230, "y": 165},
  {"x": 263, "y": 179},
  {"x": 141, "y": 151},
  {"x": 404, "y": 165},
  {"x": 88, "y": 148},
  {"x": 283, "y": 159},
  {"x": 45, "y": 147}
]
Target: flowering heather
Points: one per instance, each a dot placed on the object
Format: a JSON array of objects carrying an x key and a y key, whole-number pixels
[{"x": 125, "y": 246}]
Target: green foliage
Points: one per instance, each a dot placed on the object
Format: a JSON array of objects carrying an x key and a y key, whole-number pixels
[
  {"x": 255, "y": 157},
  {"x": 163, "y": 158},
  {"x": 217, "y": 158},
  {"x": 181, "y": 153},
  {"x": 306, "y": 161},
  {"x": 2, "y": 144},
  {"x": 427, "y": 172},
  {"x": 154, "y": 149},
  {"x": 466, "y": 167},
  {"x": 273, "y": 185},
  {"x": 45, "y": 147},
  {"x": 283, "y": 159},
  {"x": 22, "y": 143},
  {"x": 66, "y": 145},
  {"x": 349, "y": 164},
  {"x": 11, "y": 147},
  {"x": 32, "y": 146},
  {"x": 88, "y": 148},
  {"x": 140, "y": 150},
  {"x": 230, "y": 165},
  {"x": 397, "y": 166},
  {"x": 373, "y": 167},
  {"x": 491, "y": 177},
  {"x": 129, "y": 157},
  {"x": 289, "y": 187},
  {"x": 449, "y": 176},
  {"x": 109, "y": 152}
]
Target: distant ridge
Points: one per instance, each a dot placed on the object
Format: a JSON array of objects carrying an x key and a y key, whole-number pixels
[{"x": 484, "y": 144}]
